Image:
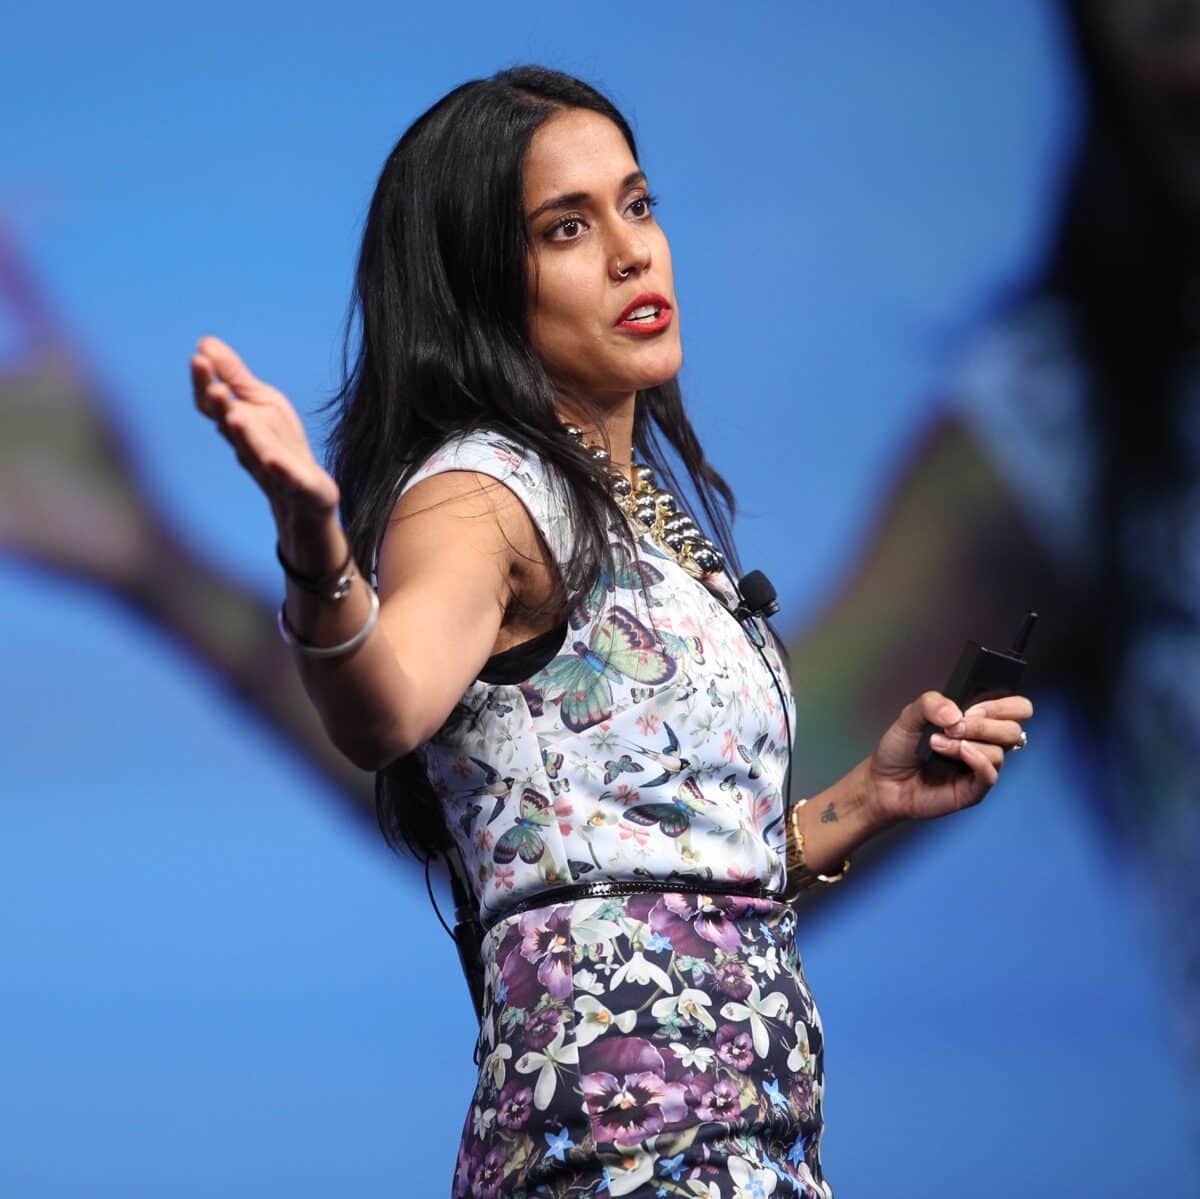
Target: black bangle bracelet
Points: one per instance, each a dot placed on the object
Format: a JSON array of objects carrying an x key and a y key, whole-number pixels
[{"x": 334, "y": 585}]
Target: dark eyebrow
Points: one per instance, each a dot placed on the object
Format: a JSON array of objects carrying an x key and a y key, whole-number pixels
[{"x": 574, "y": 199}]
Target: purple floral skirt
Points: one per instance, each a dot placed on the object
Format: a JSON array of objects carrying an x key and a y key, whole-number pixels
[{"x": 655, "y": 1045}]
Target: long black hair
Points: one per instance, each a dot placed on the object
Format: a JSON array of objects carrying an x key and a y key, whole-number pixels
[
  {"x": 441, "y": 296},
  {"x": 1120, "y": 263}
]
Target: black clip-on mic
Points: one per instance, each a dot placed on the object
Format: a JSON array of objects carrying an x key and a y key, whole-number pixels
[{"x": 757, "y": 596}]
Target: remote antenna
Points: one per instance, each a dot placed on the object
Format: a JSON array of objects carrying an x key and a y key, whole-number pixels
[{"x": 1022, "y": 638}]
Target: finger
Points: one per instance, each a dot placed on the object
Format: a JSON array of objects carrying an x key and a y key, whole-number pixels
[
  {"x": 932, "y": 707},
  {"x": 954, "y": 747},
  {"x": 980, "y": 759},
  {"x": 201, "y": 369},
  {"x": 1004, "y": 733},
  {"x": 994, "y": 753},
  {"x": 228, "y": 365},
  {"x": 218, "y": 401},
  {"x": 1007, "y": 707},
  {"x": 202, "y": 375},
  {"x": 234, "y": 432}
]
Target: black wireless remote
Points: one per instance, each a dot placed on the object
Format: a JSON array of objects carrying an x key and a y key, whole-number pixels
[{"x": 980, "y": 674}]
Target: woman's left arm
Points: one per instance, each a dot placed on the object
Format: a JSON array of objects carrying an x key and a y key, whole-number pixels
[{"x": 892, "y": 785}]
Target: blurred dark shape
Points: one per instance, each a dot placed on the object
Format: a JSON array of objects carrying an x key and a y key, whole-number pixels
[
  {"x": 1063, "y": 472},
  {"x": 72, "y": 504}
]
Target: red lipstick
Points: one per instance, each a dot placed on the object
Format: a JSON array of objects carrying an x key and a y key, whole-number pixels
[{"x": 645, "y": 321}]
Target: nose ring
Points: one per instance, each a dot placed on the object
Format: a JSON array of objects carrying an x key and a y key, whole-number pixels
[{"x": 620, "y": 273}]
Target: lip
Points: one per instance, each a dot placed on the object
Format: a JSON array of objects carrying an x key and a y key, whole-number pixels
[{"x": 659, "y": 323}]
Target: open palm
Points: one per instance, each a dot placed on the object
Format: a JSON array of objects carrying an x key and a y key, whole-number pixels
[{"x": 264, "y": 430}]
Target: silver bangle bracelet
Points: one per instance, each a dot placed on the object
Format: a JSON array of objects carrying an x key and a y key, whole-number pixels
[{"x": 329, "y": 651}]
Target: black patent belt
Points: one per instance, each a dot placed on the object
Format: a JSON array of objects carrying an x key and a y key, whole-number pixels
[{"x": 615, "y": 889}]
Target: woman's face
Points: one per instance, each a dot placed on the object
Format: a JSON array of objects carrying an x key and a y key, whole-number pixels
[{"x": 602, "y": 314}]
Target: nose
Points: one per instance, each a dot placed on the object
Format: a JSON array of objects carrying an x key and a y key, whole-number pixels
[{"x": 630, "y": 253}]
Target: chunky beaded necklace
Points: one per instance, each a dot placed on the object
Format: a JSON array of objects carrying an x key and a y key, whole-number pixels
[{"x": 655, "y": 511}]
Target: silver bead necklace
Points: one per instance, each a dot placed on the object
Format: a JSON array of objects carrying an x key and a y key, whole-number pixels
[{"x": 654, "y": 511}]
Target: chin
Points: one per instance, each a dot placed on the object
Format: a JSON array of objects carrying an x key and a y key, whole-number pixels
[
  {"x": 619, "y": 375},
  {"x": 662, "y": 368},
  {"x": 655, "y": 381}
]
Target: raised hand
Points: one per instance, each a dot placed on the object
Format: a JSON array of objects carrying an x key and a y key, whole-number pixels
[
  {"x": 264, "y": 430},
  {"x": 904, "y": 788}
]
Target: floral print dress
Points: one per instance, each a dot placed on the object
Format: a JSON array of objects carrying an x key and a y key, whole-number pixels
[{"x": 662, "y": 1044}]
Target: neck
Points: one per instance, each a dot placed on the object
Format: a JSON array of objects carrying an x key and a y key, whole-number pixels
[{"x": 608, "y": 424}]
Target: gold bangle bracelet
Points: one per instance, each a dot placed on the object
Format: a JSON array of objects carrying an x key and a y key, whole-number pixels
[{"x": 799, "y": 875}]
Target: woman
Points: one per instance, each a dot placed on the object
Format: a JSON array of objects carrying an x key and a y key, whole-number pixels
[{"x": 551, "y": 644}]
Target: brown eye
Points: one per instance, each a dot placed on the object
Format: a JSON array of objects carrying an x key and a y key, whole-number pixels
[
  {"x": 641, "y": 207},
  {"x": 568, "y": 229}
]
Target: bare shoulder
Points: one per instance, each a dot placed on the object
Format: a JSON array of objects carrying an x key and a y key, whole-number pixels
[{"x": 458, "y": 520}]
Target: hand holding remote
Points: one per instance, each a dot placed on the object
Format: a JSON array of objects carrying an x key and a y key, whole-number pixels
[
  {"x": 945, "y": 750},
  {"x": 982, "y": 674}
]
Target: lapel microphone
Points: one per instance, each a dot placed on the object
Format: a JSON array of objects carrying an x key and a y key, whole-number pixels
[{"x": 758, "y": 596}]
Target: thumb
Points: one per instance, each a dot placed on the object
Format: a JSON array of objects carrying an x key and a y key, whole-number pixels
[
  {"x": 229, "y": 366},
  {"x": 931, "y": 706}
]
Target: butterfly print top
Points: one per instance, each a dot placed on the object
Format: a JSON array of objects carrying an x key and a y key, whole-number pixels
[{"x": 651, "y": 745}]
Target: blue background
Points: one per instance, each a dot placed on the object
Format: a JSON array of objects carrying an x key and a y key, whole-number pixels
[{"x": 212, "y": 982}]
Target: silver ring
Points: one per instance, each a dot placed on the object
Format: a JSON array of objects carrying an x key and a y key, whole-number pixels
[
  {"x": 1020, "y": 744},
  {"x": 622, "y": 274}
]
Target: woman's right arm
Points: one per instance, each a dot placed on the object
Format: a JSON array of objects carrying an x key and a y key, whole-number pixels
[{"x": 448, "y": 568}]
